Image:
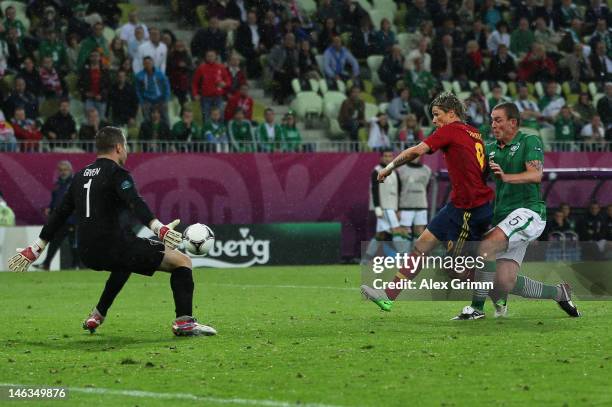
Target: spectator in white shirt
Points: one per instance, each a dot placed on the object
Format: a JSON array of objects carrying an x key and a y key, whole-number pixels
[
  {"x": 139, "y": 39},
  {"x": 127, "y": 31},
  {"x": 153, "y": 48},
  {"x": 422, "y": 54},
  {"x": 378, "y": 139},
  {"x": 593, "y": 134},
  {"x": 499, "y": 36}
]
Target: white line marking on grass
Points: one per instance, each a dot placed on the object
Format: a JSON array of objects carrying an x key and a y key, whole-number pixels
[
  {"x": 183, "y": 396},
  {"x": 311, "y": 287}
]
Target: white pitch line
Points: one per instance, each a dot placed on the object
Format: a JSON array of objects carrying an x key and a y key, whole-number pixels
[
  {"x": 183, "y": 396},
  {"x": 312, "y": 287}
]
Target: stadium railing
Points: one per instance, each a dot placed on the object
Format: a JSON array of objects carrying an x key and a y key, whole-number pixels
[{"x": 80, "y": 146}]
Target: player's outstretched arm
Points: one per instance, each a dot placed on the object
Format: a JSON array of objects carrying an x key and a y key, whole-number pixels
[
  {"x": 25, "y": 257},
  {"x": 402, "y": 158},
  {"x": 166, "y": 233}
]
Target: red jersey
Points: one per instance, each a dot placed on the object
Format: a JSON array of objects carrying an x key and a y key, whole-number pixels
[{"x": 464, "y": 153}]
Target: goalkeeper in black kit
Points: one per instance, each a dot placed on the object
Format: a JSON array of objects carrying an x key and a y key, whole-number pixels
[{"x": 97, "y": 196}]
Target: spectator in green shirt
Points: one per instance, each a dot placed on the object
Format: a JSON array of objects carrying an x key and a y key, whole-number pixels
[
  {"x": 421, "y": 84},
  {"x": 291, "y": 135},
  {"x": 95, "y": 42},
  {"x": 522, "y": 38},
  {"x": 52, "y": 47},
  {"x": 241, "y": 133},
  {"x": 565, "y": 128},
  {"x": 269, "y": 134},
  {"x": 12, "y": 21},
  {"x": 186, "y": 131},
  {"x": 215, "y": 132}
]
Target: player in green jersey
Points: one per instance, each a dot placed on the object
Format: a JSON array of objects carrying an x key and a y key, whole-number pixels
[{"x": 517, "y": 162}]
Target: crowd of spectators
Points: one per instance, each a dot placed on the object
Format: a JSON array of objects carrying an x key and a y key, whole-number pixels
[
  {"x": 595, "y": 225},
  {"x": 60, "y": 59}
]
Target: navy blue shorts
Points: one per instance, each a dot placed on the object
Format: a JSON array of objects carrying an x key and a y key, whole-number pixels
[{"x": 454, "y": 226}]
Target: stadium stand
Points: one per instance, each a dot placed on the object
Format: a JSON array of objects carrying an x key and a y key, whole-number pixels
[{"x": 543, "y": 45}]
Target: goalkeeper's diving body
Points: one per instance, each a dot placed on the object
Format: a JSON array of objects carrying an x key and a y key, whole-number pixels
[
  {"x": 468, "y": 216},
  {"x": 97, "y": 195},
  {"x": 516, "y": 160}
]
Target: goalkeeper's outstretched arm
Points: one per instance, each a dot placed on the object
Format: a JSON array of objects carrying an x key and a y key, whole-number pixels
[{"x": 402, "y": 158}]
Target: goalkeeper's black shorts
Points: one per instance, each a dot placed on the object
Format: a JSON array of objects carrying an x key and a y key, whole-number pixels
[{"x": 134, "y": 255}]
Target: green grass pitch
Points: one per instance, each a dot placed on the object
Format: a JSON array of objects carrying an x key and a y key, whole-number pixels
[{"x": 292, "y": 335}]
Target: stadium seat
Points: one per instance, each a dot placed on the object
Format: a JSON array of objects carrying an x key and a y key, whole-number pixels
[
  {"x": 332, "y": 101},
  {"x": 487, "y": 86},
  {"x": 258, "y": 112},
  {"x": 374, "y": 62},
  {"x": 174, "y": 111},
  {"x": 309, "y": 7},
  {"x": 126, "y": 9},
  {"x": 314, "y": 85},
  {"x": 366, "y": 5},
  {"x": 48, "y": 107},
  {"x": 595, "y": 88},
  {"x": 539, "y": 89},
  {"x": 335, "y": 131},
  {"x": 404, "y": 40},
  {"x": 77, "y": 110},
  {"x": 320, "y": 64},
  {"x": 295, "y": 86},
  {"x": 108, "y": 34},
  {"x": 201, "y": 14},
  {"x": 307, "y": 104},
  {"x": 7, "y": 83},
  {"x": 368, "y": 98},
  {"x": 371, "y": 110},
  {"x": 548, "y": 136},
  {"x": 596, "y": 98},
  {"x": 196, "y": 108},
  {"x": 385, "y": 5}
]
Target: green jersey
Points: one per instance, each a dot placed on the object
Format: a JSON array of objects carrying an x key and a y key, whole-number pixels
[{"x": 512, "y": 158}]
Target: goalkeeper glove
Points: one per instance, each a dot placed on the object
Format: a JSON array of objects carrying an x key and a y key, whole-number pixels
[
  {"x": 378, "y": 212},
  {"x": 167, "y": 234},
  {"x": 24, "y": 257}
]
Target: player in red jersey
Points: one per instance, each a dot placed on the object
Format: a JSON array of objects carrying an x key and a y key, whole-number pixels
[{"x": 468, "y": 215}]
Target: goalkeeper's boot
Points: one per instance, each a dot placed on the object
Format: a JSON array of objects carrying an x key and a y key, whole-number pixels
[
  {"x": 93, "y": 321},
  {"x": 501, "y": 309},
  {"x": 189, "y": 326},
  {"x": 565, "y": 302},
  {"x": 378, "y": 297},
  {"x": 468, "y": 313}
]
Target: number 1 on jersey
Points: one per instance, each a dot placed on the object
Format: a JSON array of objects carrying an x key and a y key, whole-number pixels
[{"x": 88, "y": 188}]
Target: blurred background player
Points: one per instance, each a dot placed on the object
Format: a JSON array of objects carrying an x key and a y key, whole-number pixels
[
  {"x": 414, "y": 177},
  {"x": 468, "y": 215},
  {"x": 97, "y": 195},
  {"x": 384, "y": 200},
  {"x": 68, "y": 229},
  {"x": 517, "y": 162}
]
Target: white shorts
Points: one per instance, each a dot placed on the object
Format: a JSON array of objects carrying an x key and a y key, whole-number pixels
[
  {"x": 387, "y": 222},
  {"x": 415, "y": 217},
  {"x": 521, "y": 227}
]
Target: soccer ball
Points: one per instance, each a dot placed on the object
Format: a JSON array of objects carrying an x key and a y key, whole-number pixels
[{"x": 199, "y": 239}]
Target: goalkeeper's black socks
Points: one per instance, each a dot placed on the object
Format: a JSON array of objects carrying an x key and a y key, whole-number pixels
[
  {"x": 114, "y": 284},
  {"x": 181, "y": 281}
]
